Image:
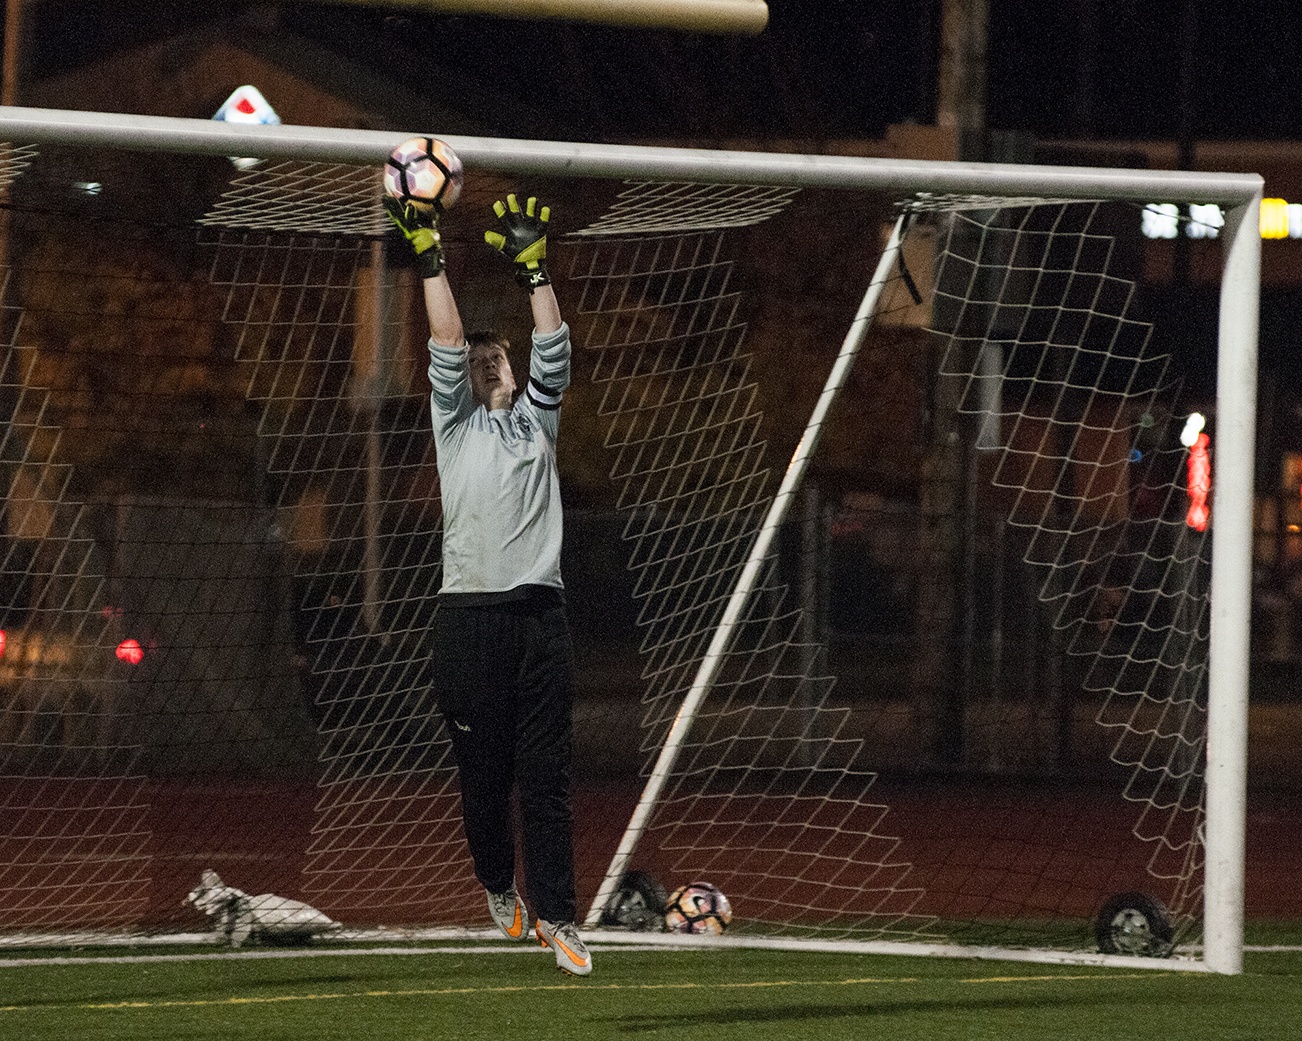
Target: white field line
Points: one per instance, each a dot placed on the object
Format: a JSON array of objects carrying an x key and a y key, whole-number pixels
[{"x": 489, "y": 941}]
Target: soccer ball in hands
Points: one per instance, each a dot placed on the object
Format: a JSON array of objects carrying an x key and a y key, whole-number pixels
[
  {"x": 423, "y": 172},
  {"x": 697, "y": 908}
]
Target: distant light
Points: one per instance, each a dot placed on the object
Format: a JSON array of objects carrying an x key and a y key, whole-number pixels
[
  {"x": 130, "y": 652},
  {"x": 1199, "y": 482},
  {"x": 89, "y": 187},
  {"x": 1192, "y": 428},
  {"x": 246, "y": 105},
  {"x": 1205, "y": 221},
  {"x": 1274, "y": 219},
  {"x": 4, "y": 640},
  {"x": 1278, "y": 219},
  {"x": 1161, "y": 220}
]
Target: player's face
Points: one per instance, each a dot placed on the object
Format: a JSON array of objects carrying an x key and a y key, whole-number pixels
[{"x": 491, "y": 380}]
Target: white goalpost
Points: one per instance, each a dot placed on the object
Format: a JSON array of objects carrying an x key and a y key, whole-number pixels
[
  {"x": 722, "y": 636},
  {"x": 954, "y": 677}
]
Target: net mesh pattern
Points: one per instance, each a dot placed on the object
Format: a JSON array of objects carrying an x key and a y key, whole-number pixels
[
  {"x": 237, "y": 677},
  {"x": 1050, "y": 361}
]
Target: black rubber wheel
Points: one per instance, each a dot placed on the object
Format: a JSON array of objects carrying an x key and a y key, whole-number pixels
[
  {"x": 1136, "y": 924},
  {"x": 638, "y": 904}
]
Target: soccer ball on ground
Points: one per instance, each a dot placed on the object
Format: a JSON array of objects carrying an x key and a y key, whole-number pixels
[
  {"x": 697, "y": 908},
  {"x": 424, "y": 172}
]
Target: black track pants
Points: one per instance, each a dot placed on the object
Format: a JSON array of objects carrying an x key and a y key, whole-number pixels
[{"x": 506, "y": 689}]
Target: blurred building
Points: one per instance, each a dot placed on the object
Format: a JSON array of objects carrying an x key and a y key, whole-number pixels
[{"x": 191, "y": 71}]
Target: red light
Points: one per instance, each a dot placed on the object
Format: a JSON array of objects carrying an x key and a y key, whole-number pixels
[
  {"x": 130, "y": 652},
  {"x": 4, "y": 639},
  {"x": 1200, "y": 483}
]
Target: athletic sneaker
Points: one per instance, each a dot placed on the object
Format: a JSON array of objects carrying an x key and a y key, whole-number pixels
[
  {"x": 509, "y": 914},
  {"x": 571, "y": 952}
]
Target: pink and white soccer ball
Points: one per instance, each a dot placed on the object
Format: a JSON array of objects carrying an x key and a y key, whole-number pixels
[
  {"x": 697, "y": 908},
  {"x": 424, "y": 172}
]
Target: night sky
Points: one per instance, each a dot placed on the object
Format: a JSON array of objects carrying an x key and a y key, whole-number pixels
[
  {"x": 1057, "y": 69},
  {"x": 822, "y": 68}
]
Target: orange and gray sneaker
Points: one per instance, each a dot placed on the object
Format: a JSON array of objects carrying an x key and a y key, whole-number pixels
[
  {"x": 509, "y": 914},
  {"x": 571, "y": 952}
]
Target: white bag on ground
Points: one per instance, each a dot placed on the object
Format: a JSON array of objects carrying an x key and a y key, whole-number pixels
[{"x": 238, "y": 916}]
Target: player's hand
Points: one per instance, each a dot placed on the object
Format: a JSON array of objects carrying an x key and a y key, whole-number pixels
[
  {"x": 421, "y": 230},
  {"x": 524, "y": 240}
]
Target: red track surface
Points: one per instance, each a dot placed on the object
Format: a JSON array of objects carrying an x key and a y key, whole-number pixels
[{"x": 1058, "y": 849}]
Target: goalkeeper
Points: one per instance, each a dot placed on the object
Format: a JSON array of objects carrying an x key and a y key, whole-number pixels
[{"x": 503, "y": 653}]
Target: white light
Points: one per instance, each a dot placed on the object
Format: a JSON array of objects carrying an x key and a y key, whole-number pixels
[
  {"x": 1205, "y": 221},
  {"x": 89, "y": 187},
  {"x": 1161, "y": 220},
  {"x": 1295, "y": 220},
  {"x": 1192, "y": 428}
]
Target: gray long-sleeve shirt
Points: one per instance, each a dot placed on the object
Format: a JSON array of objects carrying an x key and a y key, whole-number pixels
[{"x": 497, "y": 471}]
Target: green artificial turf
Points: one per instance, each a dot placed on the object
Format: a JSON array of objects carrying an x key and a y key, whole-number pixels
[{"x": 715, "y": 995}]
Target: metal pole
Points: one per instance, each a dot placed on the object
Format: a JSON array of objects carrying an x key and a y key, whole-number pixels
[
  {"x": 961, "y": 78},
  {"x": 1231, "y": 605},
  {"x": 14, "y": 49},
  {"x": 735, "y": 17},
  {"x": 646, "y": 162},
  {"x": 723, "y": 635}
]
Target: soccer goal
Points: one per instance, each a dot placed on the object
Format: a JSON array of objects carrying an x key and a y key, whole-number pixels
[{"x": 897, "y": 496}]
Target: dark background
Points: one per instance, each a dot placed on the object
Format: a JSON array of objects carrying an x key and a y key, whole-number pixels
[
  {"x": 824, "y": 69},
  {"x": 837, "y": 68}
]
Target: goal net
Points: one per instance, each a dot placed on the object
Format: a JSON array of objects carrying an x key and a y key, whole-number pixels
[{"x": 887, "y": 549}]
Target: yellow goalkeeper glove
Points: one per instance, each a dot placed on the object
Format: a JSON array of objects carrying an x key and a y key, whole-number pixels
[
  {"x": 421, "y": 230},
  {"x": 524, "y": 242}
]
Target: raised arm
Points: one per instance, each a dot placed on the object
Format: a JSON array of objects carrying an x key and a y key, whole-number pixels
[
  {"x": 421, "y": 230},
  {"x": 523, "y": 241},
  {"x": 546, "y": 311},
  {"x": 441, "y": 307}
]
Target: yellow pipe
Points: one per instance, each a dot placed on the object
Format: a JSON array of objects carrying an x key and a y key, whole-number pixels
[{"x": 732, "y": 17}]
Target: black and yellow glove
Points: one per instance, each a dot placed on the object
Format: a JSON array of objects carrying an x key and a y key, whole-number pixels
[
  {"x": 524, "y": 242},
  {"x": 421, "y": 230}
]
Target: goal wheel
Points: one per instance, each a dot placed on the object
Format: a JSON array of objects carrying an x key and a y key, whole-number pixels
[
  {"x": 1134, "y": 923},
  {"x": 638, "y": 904}
]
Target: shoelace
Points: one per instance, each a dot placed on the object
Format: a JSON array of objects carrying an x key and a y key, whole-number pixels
[{"x": 568, "y": 933}]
